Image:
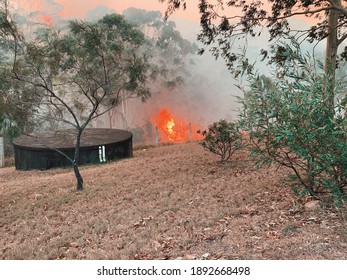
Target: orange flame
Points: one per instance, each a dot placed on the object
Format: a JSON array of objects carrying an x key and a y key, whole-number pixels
[{"x": 173, "y": 129}]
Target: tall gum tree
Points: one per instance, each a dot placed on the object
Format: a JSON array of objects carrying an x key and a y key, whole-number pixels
[
  {"x": 78, "y": 73},
  {"x": 224, "y": 21},
  {"x": 171, "y": 53}
]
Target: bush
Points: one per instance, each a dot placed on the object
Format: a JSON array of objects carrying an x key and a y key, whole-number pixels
[
  {"x": 222, "y": 138},
  {"x": 291, "y": 123}
]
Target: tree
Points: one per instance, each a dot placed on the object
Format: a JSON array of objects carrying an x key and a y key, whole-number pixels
[
  {"x": 78, "y": 73},
  {"x": 17, "y": 108},
  {"x": 171, "y": 56},
  {"x": 170, "y": 51},
  {"x": 289, "y": 124},
  {"x": 222, "y": 22},
  {"x": 17, "y": 104},
  {"x": 222, "y": 138}
]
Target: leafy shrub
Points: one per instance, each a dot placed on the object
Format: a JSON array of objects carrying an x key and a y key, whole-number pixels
[
  {"x": 291, "y": 122},
  {"x": 222, "y": 138}
]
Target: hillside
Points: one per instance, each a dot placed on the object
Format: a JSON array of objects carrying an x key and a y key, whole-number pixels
[{"x": 169, "y": 202}]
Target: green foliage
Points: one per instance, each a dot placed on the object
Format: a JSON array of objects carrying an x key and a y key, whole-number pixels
[
  {"x": 17, "y": 106},
  {"x": 222, "y": 138},
  {"x": 77, "y": 74},
  {"x": 82, "y": 72},
  {"x": 170, "y": 52},
  {"x": 291, "y": 124},
  {"x": 224, "y": 23}
]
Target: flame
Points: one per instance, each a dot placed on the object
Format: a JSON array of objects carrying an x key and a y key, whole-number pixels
[
  {"x": 174, "y": 129},
  {"x": 169, "y": 127}
]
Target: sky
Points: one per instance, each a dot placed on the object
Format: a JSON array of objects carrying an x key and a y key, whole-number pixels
[
  {"x": 186, "y": 21},
  {"x": 80, "y": 8}
]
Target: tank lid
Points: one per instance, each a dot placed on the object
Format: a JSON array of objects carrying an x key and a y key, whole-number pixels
[{"x": 65, "y": 139}]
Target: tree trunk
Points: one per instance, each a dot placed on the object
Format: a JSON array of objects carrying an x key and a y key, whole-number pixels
[
  {"x": 79, "y": 178},
  {"x": 331, "y": 54},
  {"x": 78, "y": 175}
]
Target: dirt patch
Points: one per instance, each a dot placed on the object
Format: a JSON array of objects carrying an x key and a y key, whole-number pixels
[{"x": 168, "y": 202}]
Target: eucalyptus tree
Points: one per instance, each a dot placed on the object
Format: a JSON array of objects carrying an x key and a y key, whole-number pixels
[
  {"x": 223, "y": 22},
  {"x": 17, "y": 108},
  {"x": 78, "y": 73},
  {"x": 17, "y": 104},
  {"x": 171, "y": 53}
]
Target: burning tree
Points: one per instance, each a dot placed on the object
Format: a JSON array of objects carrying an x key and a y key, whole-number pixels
[{"x": 79, "y": 73}]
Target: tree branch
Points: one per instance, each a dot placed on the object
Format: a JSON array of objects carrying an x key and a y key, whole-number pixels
[{"x": 341, "y": 9}]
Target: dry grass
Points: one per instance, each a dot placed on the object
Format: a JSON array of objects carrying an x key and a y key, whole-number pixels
[
  {"x": 9, "y": 161},
  {"x": 168, "y": 202}
]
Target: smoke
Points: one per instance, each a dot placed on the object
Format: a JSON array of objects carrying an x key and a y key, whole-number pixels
[
  {"x": 98, "y": 13},
  {"x": 205, "y": 96},
  {"x": 30, "y": 13},
  {"x": 51, "y": 7}
]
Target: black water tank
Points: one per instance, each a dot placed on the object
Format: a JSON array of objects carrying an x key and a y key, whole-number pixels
[{"x": 41, "y": 150}]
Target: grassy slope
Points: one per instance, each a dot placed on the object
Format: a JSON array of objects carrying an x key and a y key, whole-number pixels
[{"x": 165, "y": 203}]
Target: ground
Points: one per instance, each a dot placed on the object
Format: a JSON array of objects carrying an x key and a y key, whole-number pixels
[{"x": 167, "y": 202}]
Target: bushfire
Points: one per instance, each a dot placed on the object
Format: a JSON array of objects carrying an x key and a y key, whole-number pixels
[{"x": 175, "y": 129}]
